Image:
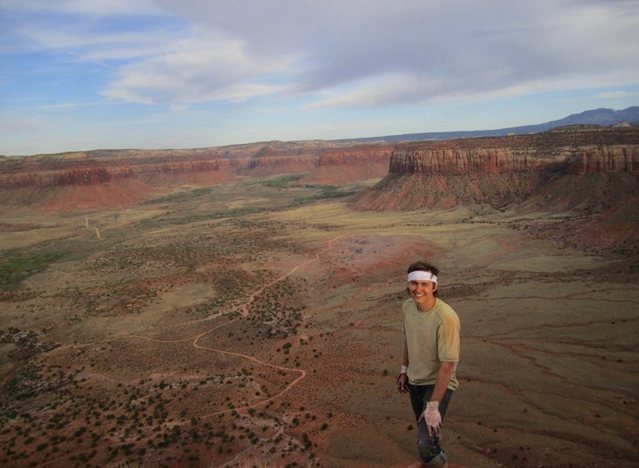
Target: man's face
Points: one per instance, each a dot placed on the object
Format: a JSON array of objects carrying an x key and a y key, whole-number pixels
[{"x": 422, "y": 291}]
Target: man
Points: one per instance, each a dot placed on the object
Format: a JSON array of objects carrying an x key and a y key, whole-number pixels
[{"x": 431, "y": 354}]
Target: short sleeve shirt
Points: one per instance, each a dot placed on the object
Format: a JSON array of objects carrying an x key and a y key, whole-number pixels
[{"x": 432, "y": 338}]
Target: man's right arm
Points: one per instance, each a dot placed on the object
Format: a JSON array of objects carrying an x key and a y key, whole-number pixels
[{"x": 402, "y": 379}]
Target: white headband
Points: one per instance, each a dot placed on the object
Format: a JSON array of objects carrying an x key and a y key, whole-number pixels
[{"x": 422, "y": 276}]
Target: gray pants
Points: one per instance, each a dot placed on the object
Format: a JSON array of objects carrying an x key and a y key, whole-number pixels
[{"x": 429, "y": 448}]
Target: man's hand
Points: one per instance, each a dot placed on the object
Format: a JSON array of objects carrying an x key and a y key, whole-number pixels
[
  {"x": 432, "y": 417},
  {"x": 402, "y": 383}
]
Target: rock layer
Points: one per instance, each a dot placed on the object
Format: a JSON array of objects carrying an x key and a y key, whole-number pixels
[
  {"x": 126, "y": 175},
  {"x": 502, "y": 170},
  {"x": 352, "y": 164}
]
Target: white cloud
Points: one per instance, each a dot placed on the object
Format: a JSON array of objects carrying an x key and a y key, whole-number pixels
[
  {"x": 82, "y": 43},
  {"x": 379, "y": 91},
  {"x": 375, "y": 53},
  {"x": 616, "y": 95},
  {"x": 205, "y": 67},
  {"x": 84, "y": 7},
  {"x": 242, "y": 92},
  {"x": 358, "y": 53}
]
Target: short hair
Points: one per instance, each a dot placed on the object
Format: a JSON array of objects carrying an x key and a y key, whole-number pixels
[{"x": 422, "y": 266}]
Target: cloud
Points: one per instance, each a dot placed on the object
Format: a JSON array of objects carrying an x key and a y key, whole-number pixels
[
  {"x": 93, "y": 46},
  {"x": 616, "y": 95},
  {"x": 379, "y": 91},
  {"x": 83, "y": 7},
  {"x": 206, "y": 67},
  {"x": 377, "y": 53},
  {"x": 359, "y": 53}
]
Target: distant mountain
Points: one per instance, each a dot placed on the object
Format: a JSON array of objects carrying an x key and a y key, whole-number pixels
[{"x": 603, "y": 117}]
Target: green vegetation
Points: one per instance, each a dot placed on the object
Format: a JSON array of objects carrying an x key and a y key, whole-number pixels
[
  {"x": 181, "y": 196},
  {"x": 196, "y": 218},
  {"x": 289, "y": 195},
  {"x": 23, "y": 265},
  {"x": 282, "y": 181},
  {"x": 325, "y": 193}
]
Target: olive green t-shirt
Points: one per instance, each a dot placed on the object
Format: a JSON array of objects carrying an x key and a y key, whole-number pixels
[{"x": 432, "y": 338}]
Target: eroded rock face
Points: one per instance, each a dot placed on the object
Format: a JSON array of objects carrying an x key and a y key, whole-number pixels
[
  {"x": 279, "y": 158},
  {"x": 451, "y": 162},
  {"x": 605, "y": 159},
  {"x": 104, "y": 179},
  {"x": 352, "y": 164},
  {"x": 605, "y": 150},
  {"x": 80, "y": 174},
  {"x": 326, "y": 163},
  {"x": 361, "y": 154},
  {"x": 132, "y": 175},
  {"x": 272, "y": 165},
  {"x": 502, "y": 170}
]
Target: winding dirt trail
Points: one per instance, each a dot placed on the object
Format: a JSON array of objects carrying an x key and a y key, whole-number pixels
[
  {"x": 194, "y": 342},
  {"x": 245, "y": 312},
  {"x": 97, "y": 231}
]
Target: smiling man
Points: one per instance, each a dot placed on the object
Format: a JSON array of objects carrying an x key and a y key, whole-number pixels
[{"x": 431, "y": 354}]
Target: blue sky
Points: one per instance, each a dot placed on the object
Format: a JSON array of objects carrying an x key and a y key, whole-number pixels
[{"x": 91, "y": 74}]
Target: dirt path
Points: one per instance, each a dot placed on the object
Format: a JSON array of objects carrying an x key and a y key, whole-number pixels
[
  {"x": 97, "y": 231},
  {"x": 194, "y": 342},
  {"x": 245, "y": 312}
]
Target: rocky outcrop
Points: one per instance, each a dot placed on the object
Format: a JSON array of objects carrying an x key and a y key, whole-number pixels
[
  {"x": 351, "y": 164},
  {"x": 320, "y": 159},
  {"x": 360, "y": 154},
  {"x": 80, "y": 174},
  {"x": 89, "y": 181},
  {"x": 130, "y": 175},
  {"x": 75, "y": 176},
  {"x": 271, "y": 165},
  {"x": 604, "y": 159},
  {"x": 452, "y": 162},
  {"x": 577, "y": 151},
  {"x": 500, "y": 171},
  {"x": 278, "y": 157}
]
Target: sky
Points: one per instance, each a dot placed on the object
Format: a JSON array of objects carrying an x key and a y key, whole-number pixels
[{"x": 97, "y": 74}]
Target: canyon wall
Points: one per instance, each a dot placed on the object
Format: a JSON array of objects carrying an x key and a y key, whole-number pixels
[
  {"x": 357, "y": 163},
  {"x": 104, "y": 179},
  {"x": 502, "y": 170},
  {"x": 258, "y": 159},
  {"x": 326, "y": 163},
  {"x": 132, "y": 175},
  {"x": 69, "y": 173},
  {"x": 577, "y": 151}
]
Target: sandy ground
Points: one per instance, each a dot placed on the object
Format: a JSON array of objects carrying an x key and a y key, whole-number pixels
[{"x": 274, "y": 339}]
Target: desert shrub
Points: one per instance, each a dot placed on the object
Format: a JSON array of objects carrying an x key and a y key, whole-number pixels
[
  {"x": 182, "y": 196},
  {"x": 21, "y": 266},
  {"x": 283, "y": 181},
  {"x": 325, "y": 193}
]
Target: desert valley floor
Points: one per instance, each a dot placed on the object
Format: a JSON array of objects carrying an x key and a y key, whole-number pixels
[{"x": 258, "y": 324}]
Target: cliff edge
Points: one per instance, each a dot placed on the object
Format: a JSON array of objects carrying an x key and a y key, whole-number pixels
[{"x": 503, "y": 170}]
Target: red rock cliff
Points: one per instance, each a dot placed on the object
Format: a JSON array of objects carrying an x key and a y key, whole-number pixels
[
  {"x": 360, "y": 154},
  {"x": 80, "y": 173},
  {"x": 499, "y": 171},
  {"x": 606, "y": 150},
  {"x": 351, "y": 164}
]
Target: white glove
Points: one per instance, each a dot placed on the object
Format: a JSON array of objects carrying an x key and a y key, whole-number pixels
[{"x": 432, "y": 417}]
